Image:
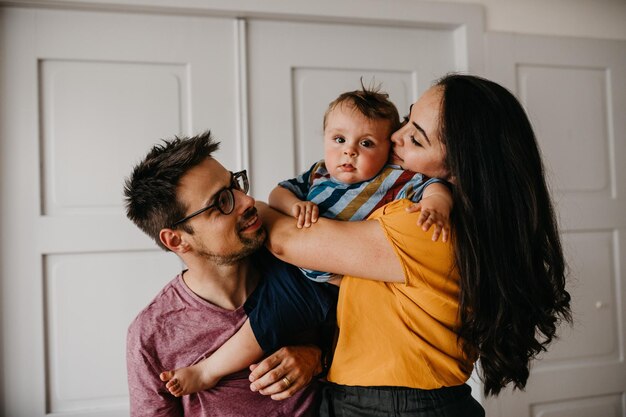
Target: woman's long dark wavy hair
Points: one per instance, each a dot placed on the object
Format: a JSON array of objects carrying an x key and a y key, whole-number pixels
[{"x": 505, "y": 234}]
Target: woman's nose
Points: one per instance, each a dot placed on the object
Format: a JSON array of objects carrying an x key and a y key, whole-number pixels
[{"x": 396, "y": 138}]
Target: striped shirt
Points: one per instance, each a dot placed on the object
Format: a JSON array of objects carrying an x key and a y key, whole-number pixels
[{"x": 341, "y": 201}]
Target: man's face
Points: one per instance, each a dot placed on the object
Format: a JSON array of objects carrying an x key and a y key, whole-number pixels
[{"x": 221, "y": 238}]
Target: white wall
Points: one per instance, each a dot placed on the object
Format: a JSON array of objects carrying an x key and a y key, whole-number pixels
[{"x": 603, "y": 19}]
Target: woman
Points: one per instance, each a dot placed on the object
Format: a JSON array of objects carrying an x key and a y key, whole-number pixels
[{"x": 410, "y": 333}]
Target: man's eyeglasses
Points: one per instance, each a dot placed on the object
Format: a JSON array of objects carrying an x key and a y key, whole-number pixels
[{"x": 225, "y": 200}]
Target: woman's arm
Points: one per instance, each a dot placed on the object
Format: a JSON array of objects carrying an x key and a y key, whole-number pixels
[{"x": 358, "y": 249}]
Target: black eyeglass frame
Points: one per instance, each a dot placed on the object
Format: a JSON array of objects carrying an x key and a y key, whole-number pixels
[{"x": 234, "y": 184}]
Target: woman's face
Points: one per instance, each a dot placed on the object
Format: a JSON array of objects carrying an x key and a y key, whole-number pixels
[{"x": 417, "y": 145}]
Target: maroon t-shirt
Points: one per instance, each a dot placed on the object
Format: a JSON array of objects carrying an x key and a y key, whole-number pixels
[{"x": 178, "y": 329}]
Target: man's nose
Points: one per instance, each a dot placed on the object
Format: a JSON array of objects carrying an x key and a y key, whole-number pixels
[{"x": 242, "y": 201}]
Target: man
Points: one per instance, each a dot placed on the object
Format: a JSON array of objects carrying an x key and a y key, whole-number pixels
[{"x": 191, "y": 205}]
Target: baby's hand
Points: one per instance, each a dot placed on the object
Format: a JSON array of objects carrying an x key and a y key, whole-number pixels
[
  {"x": 431, "y": 216},
  {"x": 305, "y": 212}
]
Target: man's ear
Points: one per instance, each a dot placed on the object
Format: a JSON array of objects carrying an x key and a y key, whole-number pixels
[{"x": 173, "y": 240}]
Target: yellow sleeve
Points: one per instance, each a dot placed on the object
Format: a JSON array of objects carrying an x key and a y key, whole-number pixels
[{"x": 420, "y": 257}]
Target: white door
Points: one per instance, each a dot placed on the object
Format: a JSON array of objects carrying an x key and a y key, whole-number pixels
[
  {"x": 296, "y": 69},
  {"x": 84, "y": 95},
  {"x": 575, "y": 93}
]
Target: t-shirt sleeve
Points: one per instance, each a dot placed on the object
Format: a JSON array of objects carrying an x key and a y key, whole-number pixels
[
  {"x": 415, "y": 250},
  {"x": 299, "y": 185},
  {"x": 148, "y": 395}
]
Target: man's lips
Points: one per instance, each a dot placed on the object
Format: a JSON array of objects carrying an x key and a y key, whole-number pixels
[{"x": 251, "y": 222}]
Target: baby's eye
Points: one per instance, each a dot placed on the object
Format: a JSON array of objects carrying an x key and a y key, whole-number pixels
[
  {"x": 367, "y": 143},
  {"x": 339, "y": 139}
]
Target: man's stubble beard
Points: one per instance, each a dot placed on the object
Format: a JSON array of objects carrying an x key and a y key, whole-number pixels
[{"x": 250, "y": 244}]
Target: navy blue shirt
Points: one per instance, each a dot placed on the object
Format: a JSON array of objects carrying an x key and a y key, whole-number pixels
[{"x": 286, "y": 308}]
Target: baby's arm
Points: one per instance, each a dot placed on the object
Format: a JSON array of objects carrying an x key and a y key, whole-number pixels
[
  {"x": 436, "y": 205},
  {"x": 305, "y": 212},
  {"x": 237, "y": 353}
]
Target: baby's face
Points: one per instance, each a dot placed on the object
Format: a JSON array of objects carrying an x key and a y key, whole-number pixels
[{"x": 355, "y": 148}]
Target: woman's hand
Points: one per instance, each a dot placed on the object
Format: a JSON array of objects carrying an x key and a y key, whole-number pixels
[{"x": 286, "y": 371}]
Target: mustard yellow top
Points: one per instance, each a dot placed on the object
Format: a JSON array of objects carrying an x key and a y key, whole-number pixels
[{"x": 402, "y": 334}]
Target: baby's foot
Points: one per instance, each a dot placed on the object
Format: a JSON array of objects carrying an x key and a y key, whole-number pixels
[{"x": 189, "y": 380}]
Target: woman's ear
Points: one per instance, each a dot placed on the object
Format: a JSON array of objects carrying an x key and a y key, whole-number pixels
[{"x": 173, "y": 240}]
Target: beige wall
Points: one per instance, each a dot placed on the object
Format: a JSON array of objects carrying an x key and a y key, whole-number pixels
[{"x": 604, "y": 19}]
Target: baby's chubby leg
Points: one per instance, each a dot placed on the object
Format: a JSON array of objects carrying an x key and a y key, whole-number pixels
[{"x": 239, "y": 352}]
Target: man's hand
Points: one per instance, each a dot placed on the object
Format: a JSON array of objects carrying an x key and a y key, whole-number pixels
[{"x": 286, "y": 371}]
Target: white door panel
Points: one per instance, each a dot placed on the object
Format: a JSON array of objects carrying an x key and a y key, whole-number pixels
[
  {"x": 296, "y": 69},
  {"x": 84, "y": 96},
  {"x": 90, "y": 299},
  {"x": 105, "y": 95},
  {"x": 575, "y": 94}
]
